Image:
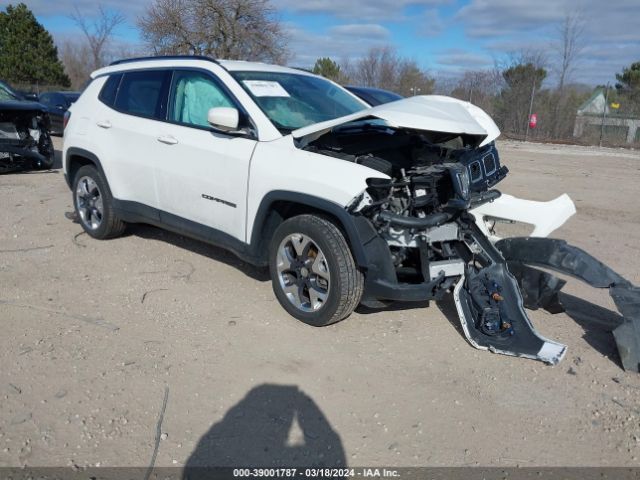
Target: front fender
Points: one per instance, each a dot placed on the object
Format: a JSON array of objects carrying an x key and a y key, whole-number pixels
[
  {"x": 280, "y": 166},
  {"x": 358, "y": 229}
]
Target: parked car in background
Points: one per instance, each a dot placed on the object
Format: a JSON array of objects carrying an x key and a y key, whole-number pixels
[
  {"x": 24, "y": 132},
  {"x": 374, "y": 96},
  {"x": 30, "y": 96},
  {"x": 58, "y": 103}
]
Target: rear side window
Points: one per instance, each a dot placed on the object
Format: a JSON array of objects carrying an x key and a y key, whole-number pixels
[
  {"x": 110, "y": 89},
  {"x": 143, "y": 93}
]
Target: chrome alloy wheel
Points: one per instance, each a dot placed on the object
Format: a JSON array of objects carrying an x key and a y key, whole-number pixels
[
  {"x": 89, "y": 203},
  {"x": 303, "y": 272}
]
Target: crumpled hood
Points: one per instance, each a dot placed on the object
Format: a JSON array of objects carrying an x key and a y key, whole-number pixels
[{"x": 434, "y": 113}]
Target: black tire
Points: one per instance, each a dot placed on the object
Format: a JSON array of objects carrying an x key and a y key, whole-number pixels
[
  {"x": 346, "y": 282},
  {"x": 110, "y": 226}
]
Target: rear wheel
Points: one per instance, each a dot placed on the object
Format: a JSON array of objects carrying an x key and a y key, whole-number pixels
[
  {"x": 313, "y": 273},
  {"x": 93, "y": 203}
]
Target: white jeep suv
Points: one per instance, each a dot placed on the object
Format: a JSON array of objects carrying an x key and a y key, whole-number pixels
[{"x": 345, "y": 204}]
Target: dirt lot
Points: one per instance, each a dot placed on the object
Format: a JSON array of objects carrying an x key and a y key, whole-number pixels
[{"x": 93, "y": 332}]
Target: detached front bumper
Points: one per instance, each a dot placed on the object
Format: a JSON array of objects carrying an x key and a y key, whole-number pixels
[
  {"x": 510, "y": 268},
  {"x": 540, "y": 289}
]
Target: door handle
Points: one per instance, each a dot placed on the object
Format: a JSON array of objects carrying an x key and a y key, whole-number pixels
[
  {"x": 104, "y": 124},
  {"x": 168, "y": 139}
]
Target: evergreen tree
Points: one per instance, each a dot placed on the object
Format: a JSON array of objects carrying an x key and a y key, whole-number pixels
[
  {"x": 629, "y": 78},
  {"x": 628, "y": 88},
  {"x": 328, "y": 69},
  {"x": 27, "y": 51},
  {"x": 513, "y": 103}
]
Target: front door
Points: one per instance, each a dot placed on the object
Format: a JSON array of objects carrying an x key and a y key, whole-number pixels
[{"x": 201, "y": 174}]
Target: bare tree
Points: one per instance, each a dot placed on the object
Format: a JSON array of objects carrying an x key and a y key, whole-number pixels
[
  {"x": 77, "y": 60},
  {"x": 233, "y": 29},
  {"x": 479, "y": 87},
  {"x": 445, "y": 84},
  {"x": 98, "y": 32},
  {"x": 569, "y": 45},
  {"x": 412, "y": 80},
  {"x": 377, "y": 68},
  {"x": 382, "y": 67}
]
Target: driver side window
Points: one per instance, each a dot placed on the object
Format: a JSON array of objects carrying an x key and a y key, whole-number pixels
[{"x": 192, "y": 95}]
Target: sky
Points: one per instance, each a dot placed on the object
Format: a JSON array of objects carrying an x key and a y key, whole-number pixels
[{"x": 446, "y": 37}]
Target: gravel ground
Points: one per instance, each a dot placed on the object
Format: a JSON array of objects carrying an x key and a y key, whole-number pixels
[{"x": 94, "y": 333}]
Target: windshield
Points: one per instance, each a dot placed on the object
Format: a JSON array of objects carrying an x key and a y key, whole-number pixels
[
  {"x": 293, "y": 101},
  {"x": 6, "y": 93}
]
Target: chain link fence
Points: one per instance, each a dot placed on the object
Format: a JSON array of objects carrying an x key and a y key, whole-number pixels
[
  {"x": 601, "y": 117},
  {"x": 37, "y": 89}
]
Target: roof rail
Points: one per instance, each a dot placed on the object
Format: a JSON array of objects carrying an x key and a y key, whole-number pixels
[{"x": 165, "y": 57}]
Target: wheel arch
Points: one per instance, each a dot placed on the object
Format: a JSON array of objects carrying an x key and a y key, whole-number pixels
[
  {"x": 279, "y": 205},
  {"x": 78, "y": 157}
]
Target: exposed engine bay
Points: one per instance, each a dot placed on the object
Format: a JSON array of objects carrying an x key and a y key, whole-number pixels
[
  {"x": 428, "y": 243},
  {"x": 24, "y": 137}
]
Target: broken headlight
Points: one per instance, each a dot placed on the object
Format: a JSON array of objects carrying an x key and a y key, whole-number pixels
[
  {"x": 484, "y": 167},
  {"x": 462, "y": 183}
]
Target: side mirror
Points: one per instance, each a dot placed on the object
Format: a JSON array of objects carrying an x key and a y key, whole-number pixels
[
  {"x": 224, "y": 118},
  {"x": 31, "y": 96},
  {"x": 60, "y": 107}
]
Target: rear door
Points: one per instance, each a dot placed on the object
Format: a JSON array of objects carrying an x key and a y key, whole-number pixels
[
  {"x": 130, "y": 135},
  {"x": 202, "y": 174}
]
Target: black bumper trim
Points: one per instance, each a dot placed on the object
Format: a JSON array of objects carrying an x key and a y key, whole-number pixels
[
  {"x": 542, "y": 288},
  {"x": 401, "y": 292}
]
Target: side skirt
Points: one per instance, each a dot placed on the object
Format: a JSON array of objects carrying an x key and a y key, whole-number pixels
[{"x": 134, "y": 212}]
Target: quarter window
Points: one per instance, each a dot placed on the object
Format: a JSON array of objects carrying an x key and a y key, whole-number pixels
[
  {"x": 140, "y": 93},
  {"x": 109, "y": 90},
  {"x": 193, "y": 94}
]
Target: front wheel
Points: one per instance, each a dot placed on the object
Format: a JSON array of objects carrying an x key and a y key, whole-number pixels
[
  {"x": 93, "y": 203},
  {"x": 313, "y": 273}
]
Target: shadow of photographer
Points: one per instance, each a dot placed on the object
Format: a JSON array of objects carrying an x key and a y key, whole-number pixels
[{"x": 274, "y": 426}]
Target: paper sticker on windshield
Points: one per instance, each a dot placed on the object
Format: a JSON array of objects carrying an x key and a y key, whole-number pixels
[{"x": 264, "y": 88}]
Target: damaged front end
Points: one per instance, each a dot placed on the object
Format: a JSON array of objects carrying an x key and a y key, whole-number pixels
[
  {"x": 427, "y": 243},
  {"x": 24, "y": 136},
  {"x": 429, "y": 218}
]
